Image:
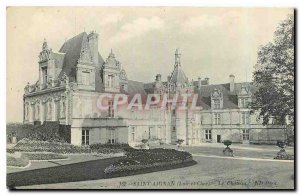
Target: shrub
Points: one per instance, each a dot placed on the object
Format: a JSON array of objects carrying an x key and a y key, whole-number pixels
[
  {"x": 144, "y": 141},
  {"x": 227, "y": 142},
  {"x": 281, "y": 144},
  {"x": 27, "y": 145},
  {"x": 179, "y": 141}
]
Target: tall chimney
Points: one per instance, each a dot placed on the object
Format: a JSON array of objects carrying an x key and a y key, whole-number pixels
[
  {"x": 231, "y": 82},
  {"x": 158, "y": 77},
  {"x": 207, "y": 80},
  {"x": 199, "y": 82},
  {"x": 93, "y": 43}
]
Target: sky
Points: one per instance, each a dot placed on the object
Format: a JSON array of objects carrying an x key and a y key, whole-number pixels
[{"x": 213, "y": 42}]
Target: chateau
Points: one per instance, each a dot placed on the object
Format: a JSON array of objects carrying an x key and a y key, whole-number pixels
[{"x": 72, "y": 79}]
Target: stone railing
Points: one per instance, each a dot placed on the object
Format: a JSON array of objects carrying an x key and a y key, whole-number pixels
[{"x": 50, "y": 84}]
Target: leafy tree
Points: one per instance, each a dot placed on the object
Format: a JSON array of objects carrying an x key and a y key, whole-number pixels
[{"x": 274, "y": 76}]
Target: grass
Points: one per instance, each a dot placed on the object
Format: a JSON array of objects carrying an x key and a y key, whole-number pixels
[
  {"x": 44, "y": 156},
  {"x": 22, "y": 159},
  {"x": 17, "y": 161}
]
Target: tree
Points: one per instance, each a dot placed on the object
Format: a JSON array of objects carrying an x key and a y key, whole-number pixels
[{"x": 274, "y": 76}]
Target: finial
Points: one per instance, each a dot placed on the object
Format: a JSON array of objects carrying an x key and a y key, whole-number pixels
[
  {"x": 177, "y": 57},
  {"x": 45, "y": 45}
]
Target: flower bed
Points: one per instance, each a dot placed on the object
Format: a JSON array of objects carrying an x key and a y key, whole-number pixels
[
  {"x": 147, "y": 159},
  {"x": 109, "y": 148},
  {"x": 26, "y": 145}
]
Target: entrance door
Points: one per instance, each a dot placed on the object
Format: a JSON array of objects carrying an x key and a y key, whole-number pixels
[{"x": 219, "y": 138}]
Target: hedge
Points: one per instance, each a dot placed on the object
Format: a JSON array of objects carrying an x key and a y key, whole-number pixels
[{"x": 26, "y": 145}]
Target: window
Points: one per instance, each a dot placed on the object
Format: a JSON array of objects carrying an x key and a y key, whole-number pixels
[
  {"x": 217, "y": 104},
  {"x": 26, "y": 112},
  {"x": 49, "y": 109},
  {"x": 111, "y": 136},
  {"x": 217, "y": 118},
  {"x": 85, "y": 139},
  {"x": 57, "y": 112},
  {"x": 208, "y": 134},
  {"x": 85, "y": 78},
  {"x": 63, "y": 110},
  {"x": 45, "y": 75},
  {"x": 245, "y": 118},
  {"x": 243, "y": 102},
  {"x": 37, "y": 111},
  {"x": 110, "y": 82},
  {"x": 111, "y": 112},
  {"x": 245, "y": 134},
  {"x": 33, "y": 112},
  {"x": 132, "y": 133},
  {"x": 174, "y": 129}
]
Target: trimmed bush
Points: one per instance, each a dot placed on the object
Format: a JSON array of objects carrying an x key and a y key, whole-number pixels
[
  {"x": 26, "y": 145},
  {"x": 227, "y": 142}
]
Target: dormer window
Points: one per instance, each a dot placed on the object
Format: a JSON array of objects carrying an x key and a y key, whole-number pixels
[
  {"x": 85, "y": 78},
  {"x": 45, "y": 75},
  {"x": 217, "y": 104},
  {"x": 110, "y": 80},
  {"x": 244, "y": 102}
]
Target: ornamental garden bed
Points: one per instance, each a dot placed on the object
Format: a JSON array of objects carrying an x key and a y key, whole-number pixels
[
  {"x": 145, "y": 161},
  {"x": 27, "y": 145}
]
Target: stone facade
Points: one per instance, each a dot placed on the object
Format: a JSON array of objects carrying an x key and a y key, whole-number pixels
[{"x": 71, "y": 81}]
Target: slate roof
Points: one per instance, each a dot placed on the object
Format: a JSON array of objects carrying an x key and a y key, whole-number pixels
[
  {"x": 72, "y": 49},
  {"x": 178, "y": 76},
  {"x": 230, "y": 99}
]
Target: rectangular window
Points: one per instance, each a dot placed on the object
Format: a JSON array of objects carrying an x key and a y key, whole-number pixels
[
  {"x": 85, "y": 78},
  {"x": 85, "y": 138},
  {"x": 244, "y": 102},
  {"x": 208, "y": 134},
  {"x": 245, "y": 134},
  {"x": 132, "y": 134},
  {"x": 111, "y": 112},
  {"x": 111, "y": 136},
  {"x": 245, "y": 119},
  {"x": 217, "y": 118},
  {"x": 217, "y": 104},
  {"x": 110, "y": 82},
  {"x": 174, "y": 129},
  {"x": 45, "y": 75}
]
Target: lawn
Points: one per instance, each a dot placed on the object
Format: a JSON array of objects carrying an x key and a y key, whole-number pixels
[{"x": 209, "y": 173}]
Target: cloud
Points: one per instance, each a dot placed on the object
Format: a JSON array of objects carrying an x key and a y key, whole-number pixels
[
  {"x": 137, "y": 28},
  {"x": 197, "y": 23},
  {"x": 111, "y": 18}
]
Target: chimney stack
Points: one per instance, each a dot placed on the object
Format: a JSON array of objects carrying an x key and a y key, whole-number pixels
[
  {"x": 231, "y": 82},
  {"x": 199, "y": 82},
  {"x": 93, "y": 43},
  {"x": 207, "y": 81},
  {"x": 158, "y": 77}
]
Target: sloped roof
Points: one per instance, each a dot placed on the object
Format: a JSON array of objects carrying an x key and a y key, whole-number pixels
[
  {"x": 230, "y": 99},
  {"x": 72, "y": 49},
  {"x": 178, "y": 75}
]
